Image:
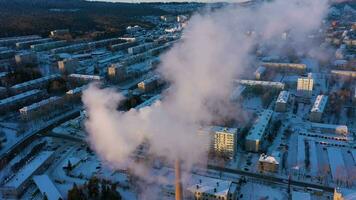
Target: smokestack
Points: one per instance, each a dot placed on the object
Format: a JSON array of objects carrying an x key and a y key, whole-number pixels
[{"x": 179, "y": 192}]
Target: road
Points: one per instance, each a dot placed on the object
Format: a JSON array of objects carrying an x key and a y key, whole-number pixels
[{"x": 273, "y": 179}]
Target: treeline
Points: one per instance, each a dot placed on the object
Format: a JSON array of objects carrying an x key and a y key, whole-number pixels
[
  {"x": 94, "y": 189},
  {"x": 23, "y": 17}
]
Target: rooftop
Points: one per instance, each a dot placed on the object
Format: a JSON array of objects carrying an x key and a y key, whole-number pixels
[
  {"x": 320, "y": 103},
  {"x": 258, "y": 129},
  {"x": 283, "y": 97}
]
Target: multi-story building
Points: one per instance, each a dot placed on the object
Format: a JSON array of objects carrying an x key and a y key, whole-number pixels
[
  {"x": 265, "y": 84},
  {"x": 295, "y": 67},
  {"x": 17, "y": 101},
  {"x": 68, "y": 65},
  {"x": 318, "y": 108},
  {"x": 34, "y": 84},
  {"x": 39, "y": 108},
  {"x": 282, "y": 101},
  {"x": 305, "y": 86},
  {"x": 117, "y": 72},
  {"x": 258, "y": 131},
  {"x": 225, "y": 141},
  {"x": 149, "y": 84},
  {"x": 25, "y": 58}
]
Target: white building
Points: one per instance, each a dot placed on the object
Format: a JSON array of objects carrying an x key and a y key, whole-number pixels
[
  {"x": 318, "y": 108},
  {"x": 305, "y": 86},
  {"x": 212, "y": 189},
  {"x": 15, "y": 185},
  {"x": 47, "y": 187},
  {"x": 282, "y": 101},
  {"x": 257, "y": 133},
  {"x": 269, "y": 163},
  {"x": 344, "y": 73}
]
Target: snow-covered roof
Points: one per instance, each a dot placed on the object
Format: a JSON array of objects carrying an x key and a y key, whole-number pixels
[
  {"x": 85, "y": 77},
  {"x": 47, "y": 188},
  {"x": 320, "y": 103},
  {"x": 337, "y": 164},
  {"x": 77, "y": 90},
  {"x": 149, "y": 102},
  {"x": 285, "y": 65},
  {"x": 262, "y": 83},
  {"x": 283, "y": 97},
  {"x": 39, "y": 104},
  {"x": 35, "y": 81},
  {"x": 342, "y": 129},
  {"x": 19, "y": 97},
  {"x": 220, "y": 129},
  {"x": 300, "y": 196},
  {"x": 28, "y": 170},
  {"x": 257, "y": 131},
  {"x": 212, "y": 186},
  {"x": 344, "y": 73},
  {"x": 273, "y": 159}
]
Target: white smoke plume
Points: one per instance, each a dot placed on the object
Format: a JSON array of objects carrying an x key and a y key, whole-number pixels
[{"x": 215, "y": 49}]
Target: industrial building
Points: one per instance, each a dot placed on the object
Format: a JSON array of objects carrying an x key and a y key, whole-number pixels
[
  {"x": 282, "y": 101},
  {"x": 305, "y": 86},
  {"x": 318, "y": 108},
  {"x": 212, "y": 189},
  {"x": 269, "y": 163},
  {"x": 34, "y": 84},
  {"x": 225, "y": 141},
  {"x": 15, "y": 186},
  {"x": 258, "y": 131},
  {"x": 17, "y": 101},
  {"x": 330, "y": 128}
]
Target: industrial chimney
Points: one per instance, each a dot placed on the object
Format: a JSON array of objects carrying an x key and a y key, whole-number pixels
[{"x": 178, "y": 183}]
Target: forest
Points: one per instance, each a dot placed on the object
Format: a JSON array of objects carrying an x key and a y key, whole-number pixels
[{"x": 24, "y": 17}]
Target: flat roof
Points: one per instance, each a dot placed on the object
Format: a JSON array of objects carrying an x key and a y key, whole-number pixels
[
  {"x": 19, "y": 96},
  {"x": 320, "y": 103},
  {"x": 258, "y": 129},
  {"x": 34, "y": 81},
  {"x": 27, "y": 171},
  {"x": 337, "y": 164},
  {"x": 300, "y": 196},
  {"x": 283, "y": 97},
  {"x": 39, "y": 104},
  {"x": 208, "y": 185},
  {"x": 47, "y": 188}
]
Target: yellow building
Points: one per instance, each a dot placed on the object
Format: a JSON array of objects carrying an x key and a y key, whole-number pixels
[{"x": 225, "y": 141}]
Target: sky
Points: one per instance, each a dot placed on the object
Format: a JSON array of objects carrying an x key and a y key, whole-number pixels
[{"x": 140, "y": 1}]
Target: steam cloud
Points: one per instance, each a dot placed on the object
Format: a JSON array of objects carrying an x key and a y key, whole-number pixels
[{"x": 215, "y": 49}]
